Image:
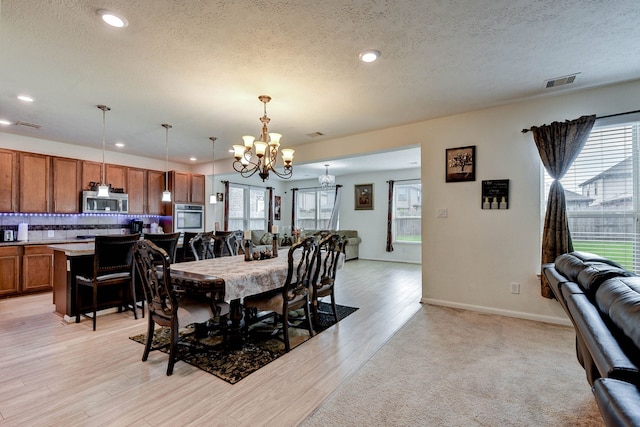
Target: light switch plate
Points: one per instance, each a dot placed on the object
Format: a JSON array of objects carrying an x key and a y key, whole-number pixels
[{"x": 442, "y": 212}]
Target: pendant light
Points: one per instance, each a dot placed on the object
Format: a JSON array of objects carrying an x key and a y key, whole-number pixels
[
  {"x": 103, "y": 189},
  {"x": 327, "y": 181},
  {"x": 212, "y": 198},
  {"x": 166, "y": 194}
]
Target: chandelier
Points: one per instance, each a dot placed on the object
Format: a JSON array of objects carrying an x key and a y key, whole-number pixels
[
  {"x": 326, "y": 180},
  {"x": 261, "y": 155}
]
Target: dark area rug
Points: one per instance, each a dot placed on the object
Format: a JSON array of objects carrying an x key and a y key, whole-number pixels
[{"x": 260, "y": 347}]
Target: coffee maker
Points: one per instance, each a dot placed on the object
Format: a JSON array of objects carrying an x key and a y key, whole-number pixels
[{"x": 136, "y": 226}]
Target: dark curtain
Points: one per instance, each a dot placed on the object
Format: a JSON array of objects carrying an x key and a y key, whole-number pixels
[
  {"x": 390, "y": 218},
  {"x": 226, "y": 205},
  {"x": 294, "y": 194},
  {"x": 270, "y": 213},
  {"x": 558, "y": 144}
]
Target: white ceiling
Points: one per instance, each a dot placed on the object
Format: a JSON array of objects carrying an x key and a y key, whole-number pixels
[{"x": 200, "y": 65}]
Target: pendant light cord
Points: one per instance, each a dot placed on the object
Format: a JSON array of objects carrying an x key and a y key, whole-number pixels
[{"x": 104, "y": 109}]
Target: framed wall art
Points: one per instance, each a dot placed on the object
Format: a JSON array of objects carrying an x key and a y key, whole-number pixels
[
  {"x": 461, "y": 164},
  {"x": 364, "y": 196}
]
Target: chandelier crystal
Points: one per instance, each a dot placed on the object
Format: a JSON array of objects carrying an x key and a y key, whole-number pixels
[
  {"x": 261, "y": 156},
  {"x": 326, "y": 180}
]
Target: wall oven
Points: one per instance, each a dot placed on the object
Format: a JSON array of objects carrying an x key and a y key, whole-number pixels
[{"x": 188, "y": 218}]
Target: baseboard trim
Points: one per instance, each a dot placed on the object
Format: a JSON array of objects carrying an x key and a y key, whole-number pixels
[{"x": 490, "y": 310}]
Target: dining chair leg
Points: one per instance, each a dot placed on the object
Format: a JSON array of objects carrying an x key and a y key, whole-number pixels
[
  {"x": 285, "y": 330},
  {"x": 333, "y": 305},
  {"x": 308, "y": 318},
  {"x": 172, "y": 347},
  {"x": 147, "y": 346}
]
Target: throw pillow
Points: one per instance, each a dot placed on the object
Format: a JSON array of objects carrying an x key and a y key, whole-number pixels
[{"x": 266, "y": 239}]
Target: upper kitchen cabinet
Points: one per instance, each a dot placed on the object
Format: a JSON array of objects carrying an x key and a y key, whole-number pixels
[
  {"x": 136, "y": 190},
  {"x": 116, "y": 176},
  {"x": 34, "y": 172},
  {"x": 91, "y": 172},
  {"x": 66, "y": 185},
  {"x": 186, "y": 187},
  {"x": 155, "y": 187},
  {"x": 8, "y": 181}
]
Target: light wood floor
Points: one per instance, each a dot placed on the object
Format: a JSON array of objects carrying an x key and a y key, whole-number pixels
[{"x": 58, "y": 373}]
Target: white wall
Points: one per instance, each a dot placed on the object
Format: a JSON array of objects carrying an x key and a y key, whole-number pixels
[{"x": 470, "y": 258}]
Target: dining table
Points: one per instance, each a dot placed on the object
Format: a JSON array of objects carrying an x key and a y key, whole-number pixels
[{"x": 232, "y": 278}]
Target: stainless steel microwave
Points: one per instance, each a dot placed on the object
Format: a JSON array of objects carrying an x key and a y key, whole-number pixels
[{"x": 115, "y": 203}]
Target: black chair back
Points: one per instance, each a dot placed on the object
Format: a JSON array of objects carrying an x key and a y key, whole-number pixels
[
  {"x": 302, "y": 273},
  {"x": 153, "y": 265},
  {"x": 233, "y": 241},
  {"x": 168, "y": 242},
  {"x": 202, "y": 246},
  {"x": 114, "y": 254},
  {"x": 185, "y": 253}
]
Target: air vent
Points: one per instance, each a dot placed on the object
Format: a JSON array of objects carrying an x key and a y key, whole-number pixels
[
  {"x": 29, "y": 125},
  {"x": 315, "y": 134},
  {"x": 560, "y": 81}
]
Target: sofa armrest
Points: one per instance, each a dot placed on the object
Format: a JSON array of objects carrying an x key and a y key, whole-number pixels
[
  {"x": 618, "y": 401},
  {"x": 604, "y": 348}
]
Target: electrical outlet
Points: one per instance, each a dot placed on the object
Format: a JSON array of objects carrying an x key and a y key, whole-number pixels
[
  {"x": 515, "y": 288},
  {"x": 442, "y": 212},
  {"x": 50, "y": 233}
]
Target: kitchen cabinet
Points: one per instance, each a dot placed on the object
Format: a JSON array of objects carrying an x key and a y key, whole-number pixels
[
  {"x": 155, "y": 187},
  {"x": 136, "y": 189},
  {"x": 34, "y": 172},
  {"x": 8, "y": 181},
  {"x": 10, "y": 269},
  {"x": 116, "y": 176},
  {"x": 37, "y": 268},
  {"x": 186, "y": 187},
  {"x": 91, "y": 172},
  {"x": 66, "y": 185}
]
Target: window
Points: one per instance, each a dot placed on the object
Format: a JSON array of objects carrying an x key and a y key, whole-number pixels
[
  {"x": 601, "y": 191},
  {"x": 313, "y": 208},
  {"x": 247, "y": 208},
  {"x": 407, "y": 211}
]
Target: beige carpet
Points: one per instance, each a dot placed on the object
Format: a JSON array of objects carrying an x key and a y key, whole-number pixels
[{"x": 450, "y": 367}]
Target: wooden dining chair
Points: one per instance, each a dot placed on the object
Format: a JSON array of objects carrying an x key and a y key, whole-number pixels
[
  {"x": 293, "y": 295},
  {"x": 112, "y": 268},
  {"x": 169, "y": 307},
  {"x": 329, "y": 258},
  {"x": 233, "y": 241},
  {"x": 185, "y": 254},
  {"x": 202, "y": 246},
  {"x": 167, "y": 241}
]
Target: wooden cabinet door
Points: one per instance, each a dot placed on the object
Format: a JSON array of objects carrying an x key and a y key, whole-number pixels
[
  {"x": 91, "y": 172},
  {"x": 37, "y": 268},
  {"x": 8, "y": 181},
  {"x": 197, "y": 189},
  {"x": 116, "y": 176},
  {"x": 66, "y": 185},
  {"x": 180, "y": 187},
  {"x": 34, "y": 182},
  {"x": 10, "y": 269},
  {"x": 136, "y": 190},
  {"x": 155, "y": 187}
]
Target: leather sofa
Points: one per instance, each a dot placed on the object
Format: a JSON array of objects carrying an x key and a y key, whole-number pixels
[{"x": 602, "y": 300}]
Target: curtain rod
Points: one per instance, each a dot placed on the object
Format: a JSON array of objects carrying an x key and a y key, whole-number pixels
[
  {"x": 243, "y": 185},
  {"x": 600, "y": 117},
  {"x": 315, "y": 188},
  {"x": 401, "y": 180}
]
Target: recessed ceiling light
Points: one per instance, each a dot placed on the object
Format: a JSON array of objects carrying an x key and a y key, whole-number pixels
[
  {"x": 25, "y": 98},
  {"x": 4, "y": 122},
  {"x": 112, "y": 19},
  {"x": 120, "y": 144},
  {"x": 369, "y": 55},
  {"x": 193, "y": 159}
]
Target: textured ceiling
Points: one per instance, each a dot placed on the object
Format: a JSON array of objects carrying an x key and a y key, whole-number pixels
[{"x": 200, "y": 65}]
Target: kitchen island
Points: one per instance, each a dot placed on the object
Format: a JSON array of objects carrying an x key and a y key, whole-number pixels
[{"x": 69, "y": 260}]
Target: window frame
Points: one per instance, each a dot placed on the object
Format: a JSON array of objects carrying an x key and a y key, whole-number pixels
[
  {"x": 408, "y": 184},
  {"x": 248, "y": 217}
]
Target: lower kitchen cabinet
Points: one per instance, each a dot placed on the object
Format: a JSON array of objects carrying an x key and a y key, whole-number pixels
[
  {"x": 25, "y": 269},
  {"x": 10, "y": 257}
]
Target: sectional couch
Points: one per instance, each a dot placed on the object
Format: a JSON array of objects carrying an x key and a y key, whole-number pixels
[
  {"x": 602, "y": 300},
  {"x": 263, "y": 240}
]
